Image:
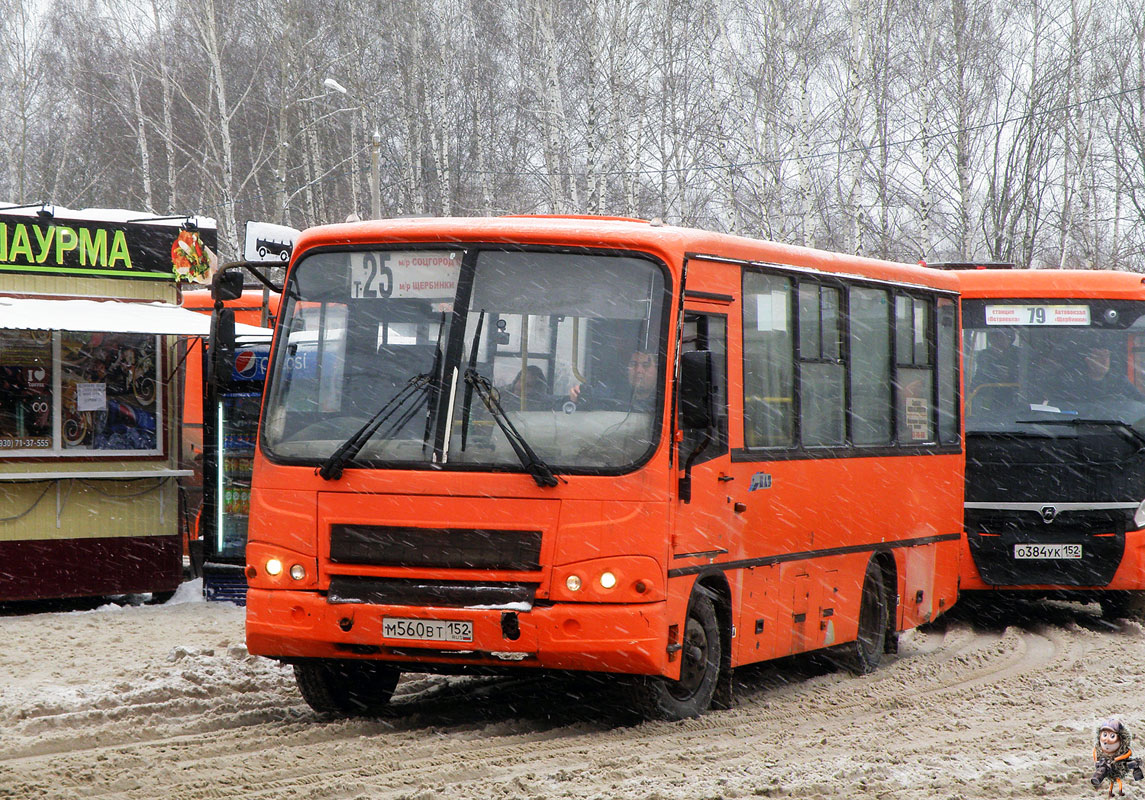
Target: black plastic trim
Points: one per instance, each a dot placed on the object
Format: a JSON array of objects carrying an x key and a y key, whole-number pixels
[
  {"x": 761, "y": 455},
  {"x": 414, "y": 592},
  {"x": 766, "y": 561},
  {"x": 716, "y": 297},
  {"x": 447, "y": 548}
]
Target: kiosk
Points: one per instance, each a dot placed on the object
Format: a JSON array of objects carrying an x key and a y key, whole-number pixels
[{"x": 89, "y": 418}]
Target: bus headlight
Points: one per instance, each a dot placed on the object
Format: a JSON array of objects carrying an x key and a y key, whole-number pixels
[
  {"x": 614, "y": 579},
  {"x": 1139, "y": 516},
  {"x": 279, "y": 568}
]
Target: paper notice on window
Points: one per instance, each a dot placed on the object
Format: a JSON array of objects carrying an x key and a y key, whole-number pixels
[
  {"x": 918, "y": 417},
  {"x": 771, "y": 311},
  {"x": 91, "y": 396}
]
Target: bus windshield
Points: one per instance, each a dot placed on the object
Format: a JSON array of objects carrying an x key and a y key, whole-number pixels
[
  {"x": 459, "y": 355},
  {"x": 1038, "y": 364}
]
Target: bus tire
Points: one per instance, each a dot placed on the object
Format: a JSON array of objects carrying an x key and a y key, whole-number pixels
[
  {"x": 702, "y": 655},
  {"x": 863, "y": 655},
  {"x": 1123, "y": 605},
  {"x": 348, "y": 688}
]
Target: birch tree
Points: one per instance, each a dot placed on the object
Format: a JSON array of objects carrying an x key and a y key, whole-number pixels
[
  {"x": 22, "y": 43},
  {"x": 1128, "y": 139}
]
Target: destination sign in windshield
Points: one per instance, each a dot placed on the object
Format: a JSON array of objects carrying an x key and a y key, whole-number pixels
[
  {"x": 398, "y": 274},
  {"x": 1037, "y": 315}
]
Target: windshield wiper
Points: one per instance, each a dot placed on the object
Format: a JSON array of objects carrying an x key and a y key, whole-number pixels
[
  {"x": 435, "y": 383},
  {"x": 1076, "y": 421},
  {"x": 467, "y": 403},
  {"x": 416, "y": 386},
  {"x": 541, "y": 472}
]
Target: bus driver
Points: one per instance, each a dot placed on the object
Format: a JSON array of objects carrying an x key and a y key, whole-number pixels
[{"x": 640, "y": 394}]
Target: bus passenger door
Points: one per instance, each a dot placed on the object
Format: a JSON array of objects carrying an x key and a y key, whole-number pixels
[{"x": 704, "y": 524}]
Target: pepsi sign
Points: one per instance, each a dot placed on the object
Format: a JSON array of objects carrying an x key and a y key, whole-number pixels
[{"x": 250, "y": 364}]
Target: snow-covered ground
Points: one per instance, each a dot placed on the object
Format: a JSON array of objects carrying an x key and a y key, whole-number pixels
[{"x": 164, "y": 702}]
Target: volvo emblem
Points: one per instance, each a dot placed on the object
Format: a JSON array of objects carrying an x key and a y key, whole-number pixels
[{"x": 1049, "y": 514}]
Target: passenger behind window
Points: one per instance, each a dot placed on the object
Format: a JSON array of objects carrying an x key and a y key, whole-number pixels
[
  {"x": 1093, "y": 379},
  {"x": 529, "y": 390},
  {"x": 998, "y": 363}
]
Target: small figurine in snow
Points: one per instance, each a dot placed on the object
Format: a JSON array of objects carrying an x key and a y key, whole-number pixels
[{"x": 1112, "y": 756}]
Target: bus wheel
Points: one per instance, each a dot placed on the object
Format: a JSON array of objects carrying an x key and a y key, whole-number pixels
[
  {"x": 351, "y": 688},
  {"x": 1127, "y": 605},
  {"x": 662, "y": 698},
  {"x": 863, "y": 654}
]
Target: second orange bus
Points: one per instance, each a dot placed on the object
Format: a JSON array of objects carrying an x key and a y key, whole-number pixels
[{"x": 1055, "y": 434}]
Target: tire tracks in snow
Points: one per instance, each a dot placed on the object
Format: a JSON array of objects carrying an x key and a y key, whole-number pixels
[{"x": 457, "y": 734}]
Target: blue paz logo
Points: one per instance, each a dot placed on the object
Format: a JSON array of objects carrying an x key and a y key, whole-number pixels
[{"x": 760, "y": 480}]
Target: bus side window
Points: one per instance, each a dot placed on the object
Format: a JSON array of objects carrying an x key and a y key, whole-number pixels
[
  {"x": 948, "y": 432},
  {"x": 822, "y": 404},
  {"x": 914, "y": 370},
  {"x": 768, "y": 361},
  {"x": 870, "y": 348}
]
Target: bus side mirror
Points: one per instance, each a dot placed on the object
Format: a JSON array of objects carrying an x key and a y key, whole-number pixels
[
  {"x": 697, "y": 390},
  {"x": 222, "y": 345},
  {"x": 227, "y": 285}
]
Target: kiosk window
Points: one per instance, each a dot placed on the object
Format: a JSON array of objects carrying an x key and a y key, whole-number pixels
[{"x": 67, "y": 393}]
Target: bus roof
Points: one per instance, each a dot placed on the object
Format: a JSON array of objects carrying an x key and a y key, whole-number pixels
[
  {"x": 1063, "y": 283},
  {"x": 669, "y": 242}
]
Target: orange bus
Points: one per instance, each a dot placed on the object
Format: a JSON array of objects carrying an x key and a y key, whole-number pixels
[
  {"x": 1055, "y": 434},
  {"x": 254, "y": 308},
  {"x": 602, "y": 445},
  {"x": 214, "y": 444}
]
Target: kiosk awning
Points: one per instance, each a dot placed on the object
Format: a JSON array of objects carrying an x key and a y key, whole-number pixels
[{"x": 33, "y": 313}]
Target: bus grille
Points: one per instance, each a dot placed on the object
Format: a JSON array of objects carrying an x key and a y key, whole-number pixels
[
  {"x": 413, "y": 592},
  {"x": 992, "y": 534},
  {"x": 446, "y": 548}
]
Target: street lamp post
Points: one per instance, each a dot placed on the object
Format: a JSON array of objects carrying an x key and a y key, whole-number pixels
[
  {"x": 312, "y": 176},
  {"x": 375, "y": 176},
  {"x": 375, "y": 147}
]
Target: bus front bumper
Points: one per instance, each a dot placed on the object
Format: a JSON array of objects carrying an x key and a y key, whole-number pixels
[
  {"x": 1116, "y": 561},
  {"x": 631, "y": 638}
]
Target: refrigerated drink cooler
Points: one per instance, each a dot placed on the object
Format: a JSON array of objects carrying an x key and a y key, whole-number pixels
[{"x": 231, "y": 425}]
